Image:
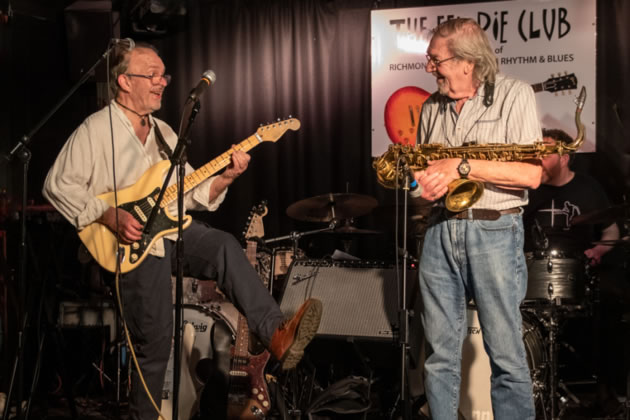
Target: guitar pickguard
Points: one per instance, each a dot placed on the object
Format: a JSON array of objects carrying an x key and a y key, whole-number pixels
[{"x": 141, "y": 211}]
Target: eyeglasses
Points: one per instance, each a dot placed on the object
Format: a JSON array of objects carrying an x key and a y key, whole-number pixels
[
  {"x": 154, "y": 78},
  {"x": 437, "y": 62}
]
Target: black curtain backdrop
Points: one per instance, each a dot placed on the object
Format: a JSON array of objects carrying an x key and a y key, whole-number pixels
[
  {"x": 273, "y": 60},
  {"x": 309, "y": 59}
]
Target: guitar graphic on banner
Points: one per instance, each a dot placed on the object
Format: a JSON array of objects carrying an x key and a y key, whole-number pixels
[{"x": 140, "y": 199}]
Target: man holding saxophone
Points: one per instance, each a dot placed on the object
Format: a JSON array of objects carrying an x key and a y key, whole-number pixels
[{"x": 475, "y": 253}]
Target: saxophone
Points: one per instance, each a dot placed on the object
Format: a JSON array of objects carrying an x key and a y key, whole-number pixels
[{"x": 463, "y": 193}]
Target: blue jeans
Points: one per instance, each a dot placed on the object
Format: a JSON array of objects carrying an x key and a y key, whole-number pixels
[{"x": 482, "y": 260}]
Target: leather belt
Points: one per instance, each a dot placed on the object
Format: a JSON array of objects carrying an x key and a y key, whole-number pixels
[{"x": 476, "y": 214}]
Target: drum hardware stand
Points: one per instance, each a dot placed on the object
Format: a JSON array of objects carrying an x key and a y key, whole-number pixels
[
  {"x": 295, "y": 236},
  {"x": 553, "y": 361},
  {"x": 550, "y": 320}
]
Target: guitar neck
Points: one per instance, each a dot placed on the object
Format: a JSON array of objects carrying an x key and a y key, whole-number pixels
[
  {"x": 241, "y": 344},
  {"x": 209, "y": 169},
  {"x": 538, "y": 87}
]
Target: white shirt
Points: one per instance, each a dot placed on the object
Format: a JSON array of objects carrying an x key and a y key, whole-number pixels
[
  {"x": 512, "y": 118},
  {"x": 84, "y": 168}
]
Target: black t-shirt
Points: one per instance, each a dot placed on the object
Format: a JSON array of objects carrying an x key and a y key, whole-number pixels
[{"x": 550, "y": 211}]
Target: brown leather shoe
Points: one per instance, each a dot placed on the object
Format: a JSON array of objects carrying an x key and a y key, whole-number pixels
[{"x": 293, "y": 335}]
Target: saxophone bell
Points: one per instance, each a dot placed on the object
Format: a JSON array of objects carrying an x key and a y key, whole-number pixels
[{"x": 462, "y": 194}]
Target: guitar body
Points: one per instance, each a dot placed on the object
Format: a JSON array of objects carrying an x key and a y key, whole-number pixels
[
  {"x": 248, "y": 396},
  {"x": 101, "y": 242},
  {"x": 235, "y": 386}
]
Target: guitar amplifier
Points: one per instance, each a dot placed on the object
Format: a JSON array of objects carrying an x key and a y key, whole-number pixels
[{"x": 359, "y": 299}]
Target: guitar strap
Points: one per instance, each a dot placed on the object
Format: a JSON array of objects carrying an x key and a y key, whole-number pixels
[
  {"x": 162, "y": 145},
  {"x": 489, "y": 94}
]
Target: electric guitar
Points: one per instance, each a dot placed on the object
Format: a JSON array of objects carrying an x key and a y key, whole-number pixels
[
  {"x": 140, "y": 198},
  {"x": 248, "y": 396},
  {"x": 402, "y": 110}
]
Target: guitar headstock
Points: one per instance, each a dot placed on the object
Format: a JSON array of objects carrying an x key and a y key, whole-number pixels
[
  {"x": 272, "y": 132},
  {"x": 255, "y": 227},
  {"x": 560, "y": 83}
]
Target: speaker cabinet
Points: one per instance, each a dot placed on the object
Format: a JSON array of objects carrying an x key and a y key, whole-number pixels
[{"x": 359, "y": 299}]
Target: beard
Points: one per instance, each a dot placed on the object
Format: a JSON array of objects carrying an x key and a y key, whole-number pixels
[{"x": 443, "y": 86}]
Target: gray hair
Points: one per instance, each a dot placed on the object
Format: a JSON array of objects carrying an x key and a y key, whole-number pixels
[
  {"x": 467, "y": 41},
  {"x": 120, "y": 64}
]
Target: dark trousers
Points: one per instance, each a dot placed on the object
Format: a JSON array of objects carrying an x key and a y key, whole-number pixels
[{"x": 147, "y": 301}]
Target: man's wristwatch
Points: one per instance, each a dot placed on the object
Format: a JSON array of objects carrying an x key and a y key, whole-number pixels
[{"x": 463, "y": 168}]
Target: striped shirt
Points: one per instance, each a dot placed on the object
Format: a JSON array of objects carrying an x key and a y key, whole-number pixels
[{"x": 512, "y": 118}]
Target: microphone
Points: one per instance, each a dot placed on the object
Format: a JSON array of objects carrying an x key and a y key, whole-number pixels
[
  {"x": 126, "y": 43},
  {"x": 415, "y": 190},
  {"x": 207, "y": 78}
]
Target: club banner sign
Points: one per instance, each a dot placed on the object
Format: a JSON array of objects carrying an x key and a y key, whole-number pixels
[{"x": 549, "y": 44}]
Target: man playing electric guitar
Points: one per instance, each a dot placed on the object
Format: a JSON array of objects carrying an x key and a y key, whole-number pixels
[{"x": 84, "y": 170}]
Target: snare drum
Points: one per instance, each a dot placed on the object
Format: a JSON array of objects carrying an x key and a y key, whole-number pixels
[{"x": 555, "y": 276}]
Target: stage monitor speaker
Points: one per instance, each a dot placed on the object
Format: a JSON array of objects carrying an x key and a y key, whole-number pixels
[{"x": 359, "y": 299}]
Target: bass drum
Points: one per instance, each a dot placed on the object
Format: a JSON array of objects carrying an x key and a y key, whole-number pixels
[
  {"x": 475, "y": 400},
  {"x": 208, "y": 331}
]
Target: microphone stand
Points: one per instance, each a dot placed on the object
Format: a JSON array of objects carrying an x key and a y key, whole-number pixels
[
  {"x": 178, "y": 158},
  {"x": 24, "y": 154},
  {"x": 403, "y": 314}
]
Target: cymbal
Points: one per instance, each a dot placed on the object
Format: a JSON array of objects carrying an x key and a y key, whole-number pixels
[
  {"x": 351, "y": 230},
  {"x": 608, "y": 215},
  {"x": 323, "y": 208}
]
